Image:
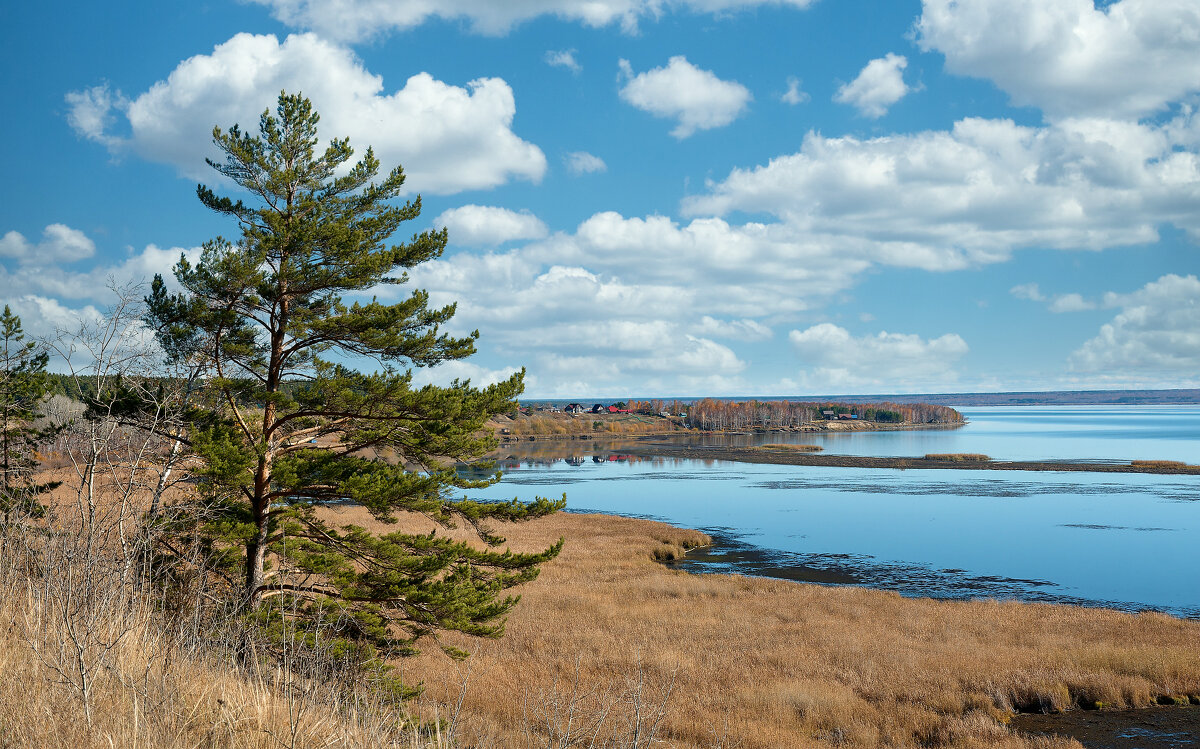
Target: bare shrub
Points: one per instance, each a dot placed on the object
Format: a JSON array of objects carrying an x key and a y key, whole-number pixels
[{"x": 621, "y": 714}]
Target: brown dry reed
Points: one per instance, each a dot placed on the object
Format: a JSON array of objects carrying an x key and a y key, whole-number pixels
[
  {"x": 93, "y": 656},
  {"x": 607, "y": 649},
  {"x": 759, "y": 663},
  {"x": 795, "y": 448}
]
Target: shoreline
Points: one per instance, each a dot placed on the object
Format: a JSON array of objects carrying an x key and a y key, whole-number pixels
[
  {"x": 824, "y": 428},
  {"x": 781, "y": 663},
  {"x": 726, "y": 554},
  {"x": 780, "y": 457}
]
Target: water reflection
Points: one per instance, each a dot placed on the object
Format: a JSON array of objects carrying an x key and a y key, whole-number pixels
[
  {"x": 1104, "y": 433},
  {"x": 1126, "y": 540}
]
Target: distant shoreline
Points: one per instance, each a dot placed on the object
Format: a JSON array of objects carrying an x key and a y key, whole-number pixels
[
  {"x": 1178, "y": 397},
  {"x": 1171, "y": 397},
  {"x": 773, "y": 457},
  {"x": 818, "y": 427}
]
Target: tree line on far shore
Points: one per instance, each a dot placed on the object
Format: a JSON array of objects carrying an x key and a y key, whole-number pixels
[{"x": 714, "y": 414}]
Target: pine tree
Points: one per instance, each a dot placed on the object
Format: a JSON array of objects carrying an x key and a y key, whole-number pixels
[
  {"x": 23, "y": 387},
  {"x": 311, "y": 401}
]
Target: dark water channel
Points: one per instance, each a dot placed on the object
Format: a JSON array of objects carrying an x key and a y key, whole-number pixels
[
  {"x": 1147, "y": 728},
  {"x": 1123, "y": 540}
]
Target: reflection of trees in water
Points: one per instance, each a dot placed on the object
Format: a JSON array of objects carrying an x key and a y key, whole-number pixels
[
  {"x": 542, "y": 453},
  {"x": 556, "y": 450}
]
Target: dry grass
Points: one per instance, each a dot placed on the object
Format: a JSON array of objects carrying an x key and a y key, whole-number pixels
[
  {"x": 795, "y": 448},
  {"x": 153, "y": 690},
  {"x": 1158, "y": 463},
  {"x": 153, "y": 694},
  {"x": 765, "y": 663},
  {"x": 610, "y": 647},
  {"x": 958, "y": 457},
  {"x": 92, "y": 658}
]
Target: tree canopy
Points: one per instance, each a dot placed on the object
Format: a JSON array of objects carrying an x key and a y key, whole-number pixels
[
  {"x": 23, "y": 386},
  {"x": 309, "y": 400}
]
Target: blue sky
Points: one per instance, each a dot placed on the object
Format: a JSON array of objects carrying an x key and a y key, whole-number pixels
[{"x": 669, "y": 197}]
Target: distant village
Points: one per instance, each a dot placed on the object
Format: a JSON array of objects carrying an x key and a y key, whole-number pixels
[
  {"x": 596, "y": 408},
  {"x": 709, "y": 413},
  {"x": 828, "y": 414}
]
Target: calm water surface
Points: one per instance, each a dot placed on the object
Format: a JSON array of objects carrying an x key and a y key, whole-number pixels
[
  {"x": 1125, "y": 540},
  {"x": 1024, "y": 433}
]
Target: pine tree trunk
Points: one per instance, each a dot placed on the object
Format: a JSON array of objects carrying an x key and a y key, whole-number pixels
[{"x": 256, "y": 554}]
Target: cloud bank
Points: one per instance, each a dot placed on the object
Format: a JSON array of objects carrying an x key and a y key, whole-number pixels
[
  {"x": 448, "y": 138},
  {"x": 355, "y": 20},
  {"x": 1070, "y": 58}
]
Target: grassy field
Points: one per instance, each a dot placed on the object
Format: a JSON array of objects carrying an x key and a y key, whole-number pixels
[
  {"x": 719, "y": 660},
  {"x": 607, "y": 648}
]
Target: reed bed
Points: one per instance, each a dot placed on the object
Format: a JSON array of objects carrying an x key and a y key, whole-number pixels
[
  {"x": 737, "y": 661},
  {"x": 607, "y": 649},
  {"x": 794, "y": 448},
  {"x": 958, "y": 457}
]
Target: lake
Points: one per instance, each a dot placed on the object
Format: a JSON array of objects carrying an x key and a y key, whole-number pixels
[{"x": 1123, "y": 540}]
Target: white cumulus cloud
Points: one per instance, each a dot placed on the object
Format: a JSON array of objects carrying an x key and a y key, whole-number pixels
[
  {"x": 697, "y": 99},
  {"x": 51, "y": 269},
  {"x": 1157, "y": 331},
  {"x": 92, "y": 112},
  {"x": 1072, "y": 58},
  {"x": 836, "y": 360},
  {"x": 970, "y": 195},
  {"x": 878, "y": 86},
  {"x": 582, "y": 162},
  {"x": 1073, "y": 302},
  {"x": 562, "y": 58},
  {"x": 43, "y": 316},
  {"x": 645, "y": 304},
  {"x": 1029, "y": 291},
  {"x": 480, "y": 225},
  {"x": 741, "y": 330},
  {"x": 60, "y": 244},
  {"x": 445, "y": 373},
  {"x": 352, "y": 20},
  {"x": 793, "y": 95},
  {"x": 448, "y": 138}
]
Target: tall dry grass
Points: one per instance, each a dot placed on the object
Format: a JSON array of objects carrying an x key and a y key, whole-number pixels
[
  {"x": 765, "y": 663},
  {"x": 793, "y": 448},
  {"x": 1159, "y": 463},
  {"x": 93, "y": 656},
  {"x": 607, "y": 650}
]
